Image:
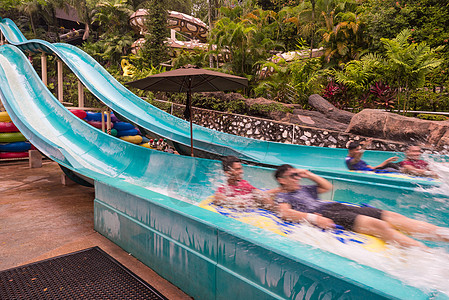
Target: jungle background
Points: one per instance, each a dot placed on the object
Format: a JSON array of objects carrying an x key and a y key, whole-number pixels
[{"x": 383, "y": 54}]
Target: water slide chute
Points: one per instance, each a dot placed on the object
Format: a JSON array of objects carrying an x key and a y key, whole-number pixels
[
  {"x": 124, "y": 170},
  {"x": 220, "y": 251},
  {"x": 325, "y": 161}
]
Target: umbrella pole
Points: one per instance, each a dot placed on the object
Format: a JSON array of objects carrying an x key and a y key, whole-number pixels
[{"x": 189, "y": 103}]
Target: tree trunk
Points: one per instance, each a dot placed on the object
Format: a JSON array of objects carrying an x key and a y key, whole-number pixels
[
  {"x": 404, "y": 110},
  {"x": 32, "y": 24},
  {"x": 209, "y": 17},
  {"x": 313, "y": 27}
]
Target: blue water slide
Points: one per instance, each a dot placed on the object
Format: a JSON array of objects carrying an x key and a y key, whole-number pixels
[
  {"x": 198, "y": 251},
  {"x": 76, "y": 145},
  {"x": 324, "y": 161}
]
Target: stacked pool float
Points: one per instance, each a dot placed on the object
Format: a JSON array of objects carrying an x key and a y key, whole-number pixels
[
  {"x": 12, "y": 142},
  {"x": 123, "y": 130}
]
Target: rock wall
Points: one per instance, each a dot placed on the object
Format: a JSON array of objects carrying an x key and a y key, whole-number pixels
[
  {"x": 269, "y": 130},
  {"x": 385, "y": 125}
]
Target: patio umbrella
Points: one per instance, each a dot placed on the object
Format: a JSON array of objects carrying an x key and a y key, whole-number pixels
[{"x": 190, "y": 79}]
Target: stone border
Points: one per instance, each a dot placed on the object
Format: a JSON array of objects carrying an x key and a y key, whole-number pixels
[{"x": 270, "y": 130}]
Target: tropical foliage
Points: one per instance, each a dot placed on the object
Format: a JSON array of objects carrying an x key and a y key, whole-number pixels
[{"x": 390, "y": 54}]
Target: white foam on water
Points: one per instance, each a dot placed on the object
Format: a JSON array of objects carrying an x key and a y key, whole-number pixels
[
  {"x": 427, "y": 269},
  {"x": 439, "y": 164}
]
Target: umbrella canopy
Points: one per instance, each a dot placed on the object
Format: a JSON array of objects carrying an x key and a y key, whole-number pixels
[{"x": 190, "y": 79}]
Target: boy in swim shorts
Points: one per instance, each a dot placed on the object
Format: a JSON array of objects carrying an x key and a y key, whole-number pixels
[{"x": 297, "y": 203}]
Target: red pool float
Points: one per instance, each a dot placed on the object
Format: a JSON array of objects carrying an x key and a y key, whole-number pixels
[
  {"x": 13, "y": 154},
  {"x": 79, "y": 113},
  {"x": 97, "y": 124},
  {"x": 8, "y": 127}
]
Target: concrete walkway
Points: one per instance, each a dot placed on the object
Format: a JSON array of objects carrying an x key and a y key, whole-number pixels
[{"x": 40, "y": 218}]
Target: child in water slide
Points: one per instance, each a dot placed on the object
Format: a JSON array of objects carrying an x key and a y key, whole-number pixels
[
  {"x": 237, "y": 192},
  {"x": 354, "y": 160},
  {"x": 413, "y": 164}
]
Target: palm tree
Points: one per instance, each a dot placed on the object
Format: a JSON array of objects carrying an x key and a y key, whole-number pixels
[
  {"x": 247, "y": 40},
  {"x": 112, "y": 15},
  {"x": 313, "y": 2},
  {"x": 31, "y": 8},
  {"x": 344, "y": 36},
  {"x": 234, "y": 37}
]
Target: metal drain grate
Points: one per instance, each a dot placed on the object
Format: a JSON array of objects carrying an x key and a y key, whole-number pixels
[{"x": 86, "y": 274}]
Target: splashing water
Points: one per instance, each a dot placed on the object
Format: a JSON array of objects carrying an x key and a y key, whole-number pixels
[
  {"x": 440, "y": 165},
  {"x": 426, "y": 269}
]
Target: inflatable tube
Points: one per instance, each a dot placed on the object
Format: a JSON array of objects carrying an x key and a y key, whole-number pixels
[
  {"x": 114, "y": 119},
  {"x": 135, "y": 139},
  {"x": 120, "y": 126},
  {"x": 127, "y": 132},
  {"x": 97, "y": 124},
  {"x": 13, "y": 154},
  {"x": 8, "y": 127},
  {"x": 114, "y": 132},
  {"x": 146, "y": 145},
  {"x": 9, "y": 137},
  {"x": 79, "y": 113},
  {"x": 15, "y": 147},
  {"x": 398, "y": 175},
  {"x": 91, "y": 116},
  {"x": 268, "y": 220},
  {"x": 4, "y": 117}
]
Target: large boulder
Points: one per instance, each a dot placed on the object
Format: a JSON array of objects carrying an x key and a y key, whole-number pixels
[
  {"x": 314, "y": 119},
  {"x": 329, "y": 110},
  {"x": 390, "y": 126}
]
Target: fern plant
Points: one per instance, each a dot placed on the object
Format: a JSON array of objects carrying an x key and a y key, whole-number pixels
[{"x": 409, "y": 63}]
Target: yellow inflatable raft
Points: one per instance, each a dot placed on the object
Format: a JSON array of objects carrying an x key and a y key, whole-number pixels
[
  {"x": 265, "y": 219},
  {"x": 135, "y": 139}
]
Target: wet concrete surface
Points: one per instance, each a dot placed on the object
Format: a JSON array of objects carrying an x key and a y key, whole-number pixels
[{"x": 40, "y": 218}]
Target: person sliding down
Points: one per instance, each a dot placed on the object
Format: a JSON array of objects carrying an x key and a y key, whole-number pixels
[
  {"x": 238, "y": 193},
  {"x": 414, "y": 165},
  {"x": 297, "y": 203},
  {"x": 354, "y": 160}
]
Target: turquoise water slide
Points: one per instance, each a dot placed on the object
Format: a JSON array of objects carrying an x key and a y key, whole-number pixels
[
  {"x": 325, "y": 161},
  {"x": 73, "y": 143},
  {"x": 198, "y": 251}
]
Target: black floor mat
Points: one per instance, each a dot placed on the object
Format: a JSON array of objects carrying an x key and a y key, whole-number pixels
[{"x": 86, "y": 274}]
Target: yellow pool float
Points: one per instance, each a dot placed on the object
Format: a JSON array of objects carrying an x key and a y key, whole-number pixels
[
  {"x": 4, "y": 117},
  {"x": 265, "y": 219},
  {"x": 135, "y": 139}
]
